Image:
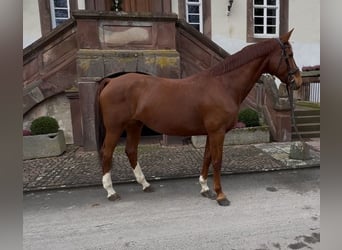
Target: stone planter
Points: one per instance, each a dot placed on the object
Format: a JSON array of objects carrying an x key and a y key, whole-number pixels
[
  {"x": 238, "y": 136},
  {"x": 39, "y": 146}
]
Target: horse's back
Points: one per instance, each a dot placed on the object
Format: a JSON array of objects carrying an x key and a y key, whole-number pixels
[
  {"x": 126, "y": 93},
  {"x": 145, "y": 88}
]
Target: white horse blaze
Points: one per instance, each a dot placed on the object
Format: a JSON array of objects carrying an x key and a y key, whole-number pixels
[
  {"x": 204, "y": 184},
  {"x": 140, "y": 177},
  {"x": 107, "y": 184}
]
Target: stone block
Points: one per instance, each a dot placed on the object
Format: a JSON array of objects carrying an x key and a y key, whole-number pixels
[
  {"x": 39, "y": 146},
  {"x": 90, "y": 64},
  {"x": 282, "y": 92},
  {"x": 238, "y": 136},
  {"x": 299, "y": 151},
  {"x": 123, "y": 35}
]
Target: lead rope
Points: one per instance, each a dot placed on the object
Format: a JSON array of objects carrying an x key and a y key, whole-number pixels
[
  {"x": 290, "y": 94},
  {"x": 288, "y": 86}
]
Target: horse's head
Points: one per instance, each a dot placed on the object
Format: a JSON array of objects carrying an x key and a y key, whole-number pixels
[{"x": 283, "y": 65}]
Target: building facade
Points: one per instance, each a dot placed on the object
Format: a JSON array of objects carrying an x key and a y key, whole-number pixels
[
  {"x": 231, "y": 31},
  {"x": 230, "y": 24}
]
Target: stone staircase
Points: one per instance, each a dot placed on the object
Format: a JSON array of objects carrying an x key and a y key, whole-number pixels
[{"x": 307, "y": 121}]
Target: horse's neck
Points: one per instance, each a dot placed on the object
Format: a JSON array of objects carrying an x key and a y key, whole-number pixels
[{"x": 242, "y": 79}]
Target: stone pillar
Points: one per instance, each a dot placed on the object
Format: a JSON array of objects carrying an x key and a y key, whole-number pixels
[
  {"x": 76, "y": 116},
  {"x": 87, "y": 92},
  {"x": 277, "y": 111}
]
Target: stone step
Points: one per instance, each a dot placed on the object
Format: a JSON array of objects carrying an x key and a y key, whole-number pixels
[
  {"x": 307, "y": 112},
  {"x": 309, "y": 134},
  {"x": 307, "y": 119},
  {"x": 308, "y": 122},
  {"x": 306, "y": 127}
]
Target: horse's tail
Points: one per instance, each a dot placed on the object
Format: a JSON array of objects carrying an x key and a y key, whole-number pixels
[{"x": 100, "y": 129}]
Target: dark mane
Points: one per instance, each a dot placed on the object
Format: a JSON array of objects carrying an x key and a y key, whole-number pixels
[{"x": 243, "y": 56}]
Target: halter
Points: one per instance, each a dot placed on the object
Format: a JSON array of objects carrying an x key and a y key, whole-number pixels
[
  {"x": 290, "y": 72},
  {"x": 290, "y": 84}
]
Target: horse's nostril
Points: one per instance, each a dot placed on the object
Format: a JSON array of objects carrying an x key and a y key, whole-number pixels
[{"x": 295, "y": 85}]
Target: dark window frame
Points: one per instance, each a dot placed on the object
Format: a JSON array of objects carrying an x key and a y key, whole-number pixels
[
  {"x": 283, "y": 20},
  {"x": 45, "y": 14},
  {"x": 206, "y": 15},
  {"x": 64, "y": 10},
  {"x": 194, "y": 11}
]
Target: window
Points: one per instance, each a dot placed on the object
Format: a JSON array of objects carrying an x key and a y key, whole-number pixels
[
  {"x": 60, "y": 11},
  {"x": 266, "y": 19},
  {"x": 194, "y": 14}
]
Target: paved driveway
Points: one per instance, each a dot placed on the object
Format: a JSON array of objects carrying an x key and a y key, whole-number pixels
[{"x": 273, "y": 210}]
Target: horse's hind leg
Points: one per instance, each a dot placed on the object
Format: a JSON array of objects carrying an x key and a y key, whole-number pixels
[
  {"x": 110, "y": 142},
  {"x": 203, "y": 179},
  {"x": 216, "y": 147},
  {"x": 133, "y": 131}
]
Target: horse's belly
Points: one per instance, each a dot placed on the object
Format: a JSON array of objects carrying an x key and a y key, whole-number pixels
[
  {"x": 177, "y": 130},
  {"x": 183, "y": 131},
  {"x": 169, "y": 111},
  {"x": 173, "y": 125}
]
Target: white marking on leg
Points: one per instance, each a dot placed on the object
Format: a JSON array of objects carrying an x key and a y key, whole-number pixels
[
  {"x": 204, "y": 184},
  {"x": 140, "y": 177},
  {"x": 107, "y": 184}
]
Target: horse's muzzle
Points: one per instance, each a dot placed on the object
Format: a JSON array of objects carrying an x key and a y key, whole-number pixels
[
  {"x": 295, "y": 82},
  {"x": 294, "y": 86}
]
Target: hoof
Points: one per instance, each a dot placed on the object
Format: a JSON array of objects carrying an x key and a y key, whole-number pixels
[
  {"x": 223, "y": 202},
  {"x": 114, "y": 197},
  {"x": 209, "y": 194},
  {"x": 148, "y": 189}
]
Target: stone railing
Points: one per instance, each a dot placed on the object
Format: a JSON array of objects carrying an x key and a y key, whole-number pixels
[
  {"x": 197, "y": 51},
  {"x": 310, "y": 89},
  {"x": 273, "y": 105},
  {"x": 49, "y": 65}
]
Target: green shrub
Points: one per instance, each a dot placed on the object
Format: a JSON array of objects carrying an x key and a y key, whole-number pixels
[
  {"x": 44, "y": 125},
  {"x": 249, "y": 117}
]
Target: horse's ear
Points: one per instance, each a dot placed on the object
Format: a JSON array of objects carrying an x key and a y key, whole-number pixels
[{"x": 285, "y": 38}]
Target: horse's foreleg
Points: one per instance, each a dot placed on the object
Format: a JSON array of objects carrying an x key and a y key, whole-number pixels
[
  {"x": 133, "y": 137},
  {"x": 203, "y": 179},
  {"x": 107, "y": 154},
  {"x": 216, "y": 148}
]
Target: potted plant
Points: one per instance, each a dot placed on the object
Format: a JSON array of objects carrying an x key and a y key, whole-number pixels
[
  {"x": 44, "y": 139},
  {"x": 248, "y": 130}
]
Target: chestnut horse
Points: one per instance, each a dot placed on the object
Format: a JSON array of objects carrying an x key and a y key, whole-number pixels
[{"x": 206, "y": 103}]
